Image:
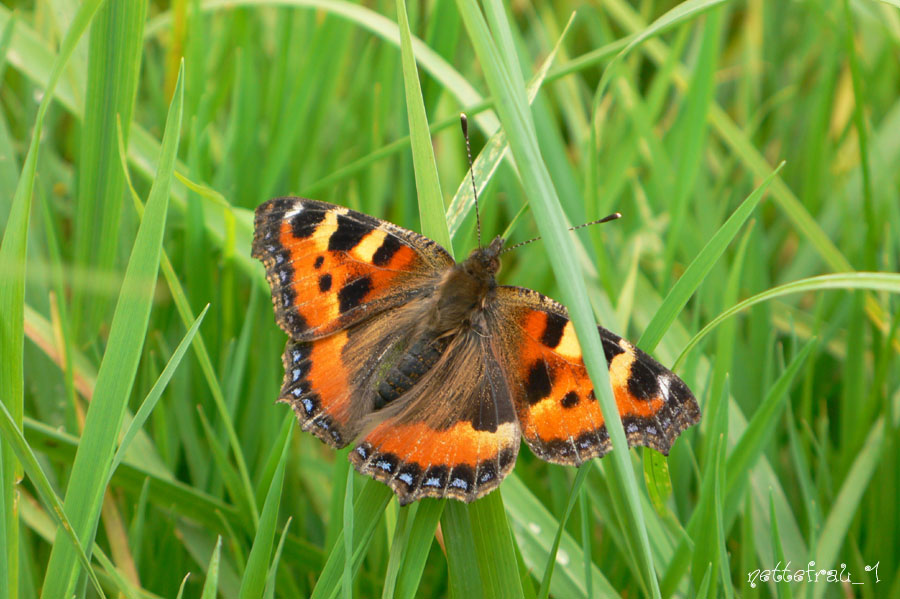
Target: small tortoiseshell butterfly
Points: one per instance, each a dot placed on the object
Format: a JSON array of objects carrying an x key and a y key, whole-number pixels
[{"x": 430, "y": 367}]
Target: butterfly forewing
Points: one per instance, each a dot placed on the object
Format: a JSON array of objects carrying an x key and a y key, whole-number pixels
[{"x": 330, "y": 267}]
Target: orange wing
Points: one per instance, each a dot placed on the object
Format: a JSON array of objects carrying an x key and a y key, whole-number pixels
[
  {"x": 454, "y": 434},
  {"x": 330, "y": 267},
  {"x": 558, "y": 412}
]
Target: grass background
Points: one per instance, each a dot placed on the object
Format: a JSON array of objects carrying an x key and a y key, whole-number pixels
[{"x": 140, "y": 357}]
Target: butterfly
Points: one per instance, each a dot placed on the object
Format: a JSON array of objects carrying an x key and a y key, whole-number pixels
[{"x": 430, "y": 368}]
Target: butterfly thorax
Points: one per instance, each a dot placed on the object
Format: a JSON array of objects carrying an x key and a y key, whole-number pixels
[{"x": 464, "y": 289}]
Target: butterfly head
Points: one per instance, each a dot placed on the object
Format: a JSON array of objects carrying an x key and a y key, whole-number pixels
[{"x": 484, "y": 262}]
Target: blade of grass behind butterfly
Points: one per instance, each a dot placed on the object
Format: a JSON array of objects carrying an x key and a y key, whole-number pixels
[
  {"x": 534, "y": 527},
  {"x": 574, "y": 493},
  {"x": 87, "y": 482},
  {"x": 13, "y": 250},
  {"x": 516, "y": 119},
  {"x": 493, "y": 543},
  {"x": 699, "y": 267},
  {"x": 253, "y": 582},
  {"x": 488, "y": 159},
  {"x": 744, "y": 456}
]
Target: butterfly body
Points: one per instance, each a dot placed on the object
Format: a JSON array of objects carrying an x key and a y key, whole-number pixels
[{"x": 431, "y": 368}]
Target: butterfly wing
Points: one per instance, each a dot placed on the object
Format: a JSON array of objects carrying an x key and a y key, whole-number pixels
[
  {"x": 554, "y": 399},
  {"x": 331, "y": 382},
  {"x": 453, "y": 434},
  {"x": 330, "y": 267}
]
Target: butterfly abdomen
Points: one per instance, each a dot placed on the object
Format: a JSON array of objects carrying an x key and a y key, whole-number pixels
[{"x": 422, "y": 355}]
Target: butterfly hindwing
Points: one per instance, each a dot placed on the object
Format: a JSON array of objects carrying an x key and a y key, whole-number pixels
[
  {"x": 557, "y": 409},
  {"x": 330, "y": 267},
  {"x": 331, "y": 382},
  {"x": 454, "y": 434}
]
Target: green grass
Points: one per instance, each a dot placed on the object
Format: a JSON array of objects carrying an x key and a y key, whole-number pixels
[{"x": 751, "y": 147}]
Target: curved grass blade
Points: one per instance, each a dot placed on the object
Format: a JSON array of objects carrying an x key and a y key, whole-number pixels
[
  {"x": 873, "y": 281},
  {"x": 181, "y": 586}
]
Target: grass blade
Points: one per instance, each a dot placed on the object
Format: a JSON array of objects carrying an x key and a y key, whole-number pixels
[
  {"x": 347, "y": 578},
  {"x": 114, "y": 66},
  {"x": 519, "y": 127},
  {"x": 12, "y": 305},
  {"x": 544, "y": 591},
  {"x": 431, "y": 205},
  {"x": 155, "y": 393},
  {"x": 462, "y": 563},
  {"x": 874, "y": 281},
  {"x": 211, "y": 584},
  {"x": 12, "y": 435},
  {"x": 418, "y": 541},
  {"x": 253, "y": 583},
  {"x": 117, "y": 370},
  {"x": 696, "y": 272}
]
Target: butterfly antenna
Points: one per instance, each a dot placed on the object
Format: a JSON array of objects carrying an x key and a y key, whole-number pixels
[
  {"x": 605, "y": 219},
  {"x": 464, "y": 123}
]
